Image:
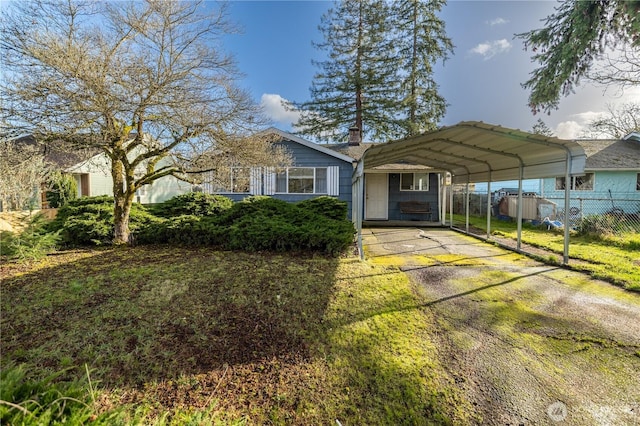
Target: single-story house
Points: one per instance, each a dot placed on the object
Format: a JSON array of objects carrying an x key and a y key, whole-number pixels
[
  {"x": 93, "y": 177},
  {"x": 316, "y": 170},
  {"x": 610, "y": 182}
]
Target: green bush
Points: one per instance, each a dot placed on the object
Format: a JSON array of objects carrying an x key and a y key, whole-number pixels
[
  {"x": 194, "y": 203},
  {"x": 33, "y": 243},
  {"x": 257, "y": 223},
  {"x": 62, "y": 189},
  {"x": 259, "y": 204},
  {"x": 326, "y": 206},
  {"x": 182, "y": 230},
  {"x": 89, "y": 220}
]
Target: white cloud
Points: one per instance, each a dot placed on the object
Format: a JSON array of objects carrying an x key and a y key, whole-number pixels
[
  {"x": 568, "y": 130},
  {"x": 489, "y": 49},
  {"x": 497, "y": 21},
  {"x": 274, "y": 109},
  {"x": 576, "y": 127}
]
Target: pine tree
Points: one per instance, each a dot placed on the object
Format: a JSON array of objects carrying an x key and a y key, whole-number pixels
[
  {"x": 356, "y": 85},
  {"x": 422, "y": 41}
]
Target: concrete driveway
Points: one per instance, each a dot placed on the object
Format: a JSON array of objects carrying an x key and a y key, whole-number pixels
[{"x": 526, "y": 343}]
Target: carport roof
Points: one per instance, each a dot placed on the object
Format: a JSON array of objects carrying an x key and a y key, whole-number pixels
[{"x": 474, "y": 151}]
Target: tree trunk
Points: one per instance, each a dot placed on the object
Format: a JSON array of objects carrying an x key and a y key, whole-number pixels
[{"x": 123, "y": 195}]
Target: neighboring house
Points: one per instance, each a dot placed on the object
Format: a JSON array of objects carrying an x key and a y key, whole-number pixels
[
  {"x": 316, "y": 170},
  {"x": 93, "y": 177},
  {"x": 611, "y": 181}
]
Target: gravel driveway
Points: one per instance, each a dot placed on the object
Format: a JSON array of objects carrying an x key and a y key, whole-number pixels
[{"x": 526, "y": 343}]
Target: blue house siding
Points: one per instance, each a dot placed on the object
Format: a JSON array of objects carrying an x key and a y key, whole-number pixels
[
  {"x": 307, "y": 157},
  {"x": 610, "y": 189},
  {"x": 396, "y": 196}
]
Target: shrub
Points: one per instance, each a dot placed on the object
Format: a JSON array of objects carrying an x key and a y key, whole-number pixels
[
  {"x": 33, "y": 243},
  {"x": 89, "y": 220},
  {"x": 62, "y": 189},
  {"x": 265, "y": 223},
  {"x": 194, "y": 203},
  {"x": 259, "y": 204},
  {"x": 326, "y": 206},
  {"x": 182, "y": 230}
]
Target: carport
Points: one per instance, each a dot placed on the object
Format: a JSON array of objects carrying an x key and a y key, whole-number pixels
[{"x": 474, "y": 152}]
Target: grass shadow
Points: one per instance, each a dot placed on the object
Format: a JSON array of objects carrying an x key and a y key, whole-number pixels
[{"x": 136, "y": 315}]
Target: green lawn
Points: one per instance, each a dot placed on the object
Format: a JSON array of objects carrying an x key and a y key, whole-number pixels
[
  {"x": 159, "y": 335},
  {"x": 613, "y": 258}
]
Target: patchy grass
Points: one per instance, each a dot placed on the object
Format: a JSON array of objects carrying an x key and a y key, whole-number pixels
[
  {"x": 615, "y": 259},
  {"x": 176, "y": 335}
]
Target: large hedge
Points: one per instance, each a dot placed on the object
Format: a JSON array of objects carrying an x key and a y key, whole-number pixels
[
  {"x": 193, "y": 203},
  {"x": 89, "y": 220},
  {"x": 257, "y": 223}
]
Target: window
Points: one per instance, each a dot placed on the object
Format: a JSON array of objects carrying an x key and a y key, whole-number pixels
[
  {"x": 231, "y": 180},
  {"x": 578, "y": 183},
  {"x": 638, "y": 182},
  {"x": 302, "y": 180},
  {"x": 414, "y": 181}
]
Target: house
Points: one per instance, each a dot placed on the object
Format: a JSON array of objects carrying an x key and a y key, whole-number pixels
[
  {"x": 93, "y": 177},
  {"x": 315, "y": 170},
  {"x": 610, "y": 182}
]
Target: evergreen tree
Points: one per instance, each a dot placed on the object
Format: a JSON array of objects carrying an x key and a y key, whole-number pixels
[
  {"x": 541, "y": 128},
  {"x": 576, "y": 34},
  {"x": 356, "y": 85},
  {"x": 422, "y": 41}
]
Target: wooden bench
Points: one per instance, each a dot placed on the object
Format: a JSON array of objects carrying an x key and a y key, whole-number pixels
[{"x": 415, "y": 207}]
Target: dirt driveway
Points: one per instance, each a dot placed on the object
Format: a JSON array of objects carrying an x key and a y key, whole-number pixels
[{"x": 526, "y": 343}]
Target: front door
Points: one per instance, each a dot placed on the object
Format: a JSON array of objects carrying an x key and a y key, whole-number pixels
[{"x": 376, "y": 196}]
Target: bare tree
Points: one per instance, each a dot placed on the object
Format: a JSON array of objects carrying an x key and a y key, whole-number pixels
[
  {"x": 619, "y": 68},
  {"x": 145, "y": 82},
  {"x": 618, "y": 122},
  {"x": 22, "y": 171}
]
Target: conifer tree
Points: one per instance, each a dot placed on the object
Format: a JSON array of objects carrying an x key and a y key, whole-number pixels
[
  {"x": 355, "y": 85},
  {"x": 422, "y": 41},
  {"x": 378, "y": 75}
]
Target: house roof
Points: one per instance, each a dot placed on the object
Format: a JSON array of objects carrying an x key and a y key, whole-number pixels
[
  {"x": 611, "y": 154},
  {"x": 354, "y": 151},
  {"x": 321, "y": 148},
  {"x": 478, "y": 152}
]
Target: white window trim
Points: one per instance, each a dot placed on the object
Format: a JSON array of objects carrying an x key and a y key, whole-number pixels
[
  {"x": 333, "y": 181},
  {"x": 414, "y": 182}
]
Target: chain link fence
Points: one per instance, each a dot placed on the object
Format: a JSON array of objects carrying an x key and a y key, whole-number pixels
[{"x": 597, "y": 214}]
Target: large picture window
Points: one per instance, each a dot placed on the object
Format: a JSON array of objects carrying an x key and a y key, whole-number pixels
[
  {"x": 302, "y": 180},
  {"x": 578, "y": 183},
  {"x": 414, "y": 181}
]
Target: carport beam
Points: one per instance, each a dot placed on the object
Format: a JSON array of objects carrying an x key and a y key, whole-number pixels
[
  {"x": 489, "y": 206},
  {"x": 519, "y": 210},
  {"x": 466, "y": 207}
]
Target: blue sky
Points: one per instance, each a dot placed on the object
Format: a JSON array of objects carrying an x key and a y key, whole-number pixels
[{"x": 480, "y": 81}]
